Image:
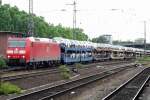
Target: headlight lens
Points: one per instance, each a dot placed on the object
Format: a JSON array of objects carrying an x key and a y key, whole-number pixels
[
  {"x": 9, "y": 51},
  {"x": 22, "y": 52}
]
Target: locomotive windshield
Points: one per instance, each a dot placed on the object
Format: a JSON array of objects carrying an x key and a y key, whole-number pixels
[{"x": 16, "y": 43}]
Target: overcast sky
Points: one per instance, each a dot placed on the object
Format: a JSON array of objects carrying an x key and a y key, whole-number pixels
[{"x": 96, "y": 16}]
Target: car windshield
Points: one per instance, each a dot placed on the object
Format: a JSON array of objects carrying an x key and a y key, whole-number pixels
[{"x": 16, "y": 43}]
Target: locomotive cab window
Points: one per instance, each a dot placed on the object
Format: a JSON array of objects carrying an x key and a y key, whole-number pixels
[{"x": 16, "y": 43}]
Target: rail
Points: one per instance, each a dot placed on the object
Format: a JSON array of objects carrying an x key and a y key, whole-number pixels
[
  {"x": 52, "y": 92},
  {"x": 130, "y": 89},
  {"x": 45, "y": 72}
]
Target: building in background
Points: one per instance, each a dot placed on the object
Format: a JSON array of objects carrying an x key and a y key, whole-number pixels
[
  {"x": 139, "y": 41},
  {"x": 4, "y": 35}
]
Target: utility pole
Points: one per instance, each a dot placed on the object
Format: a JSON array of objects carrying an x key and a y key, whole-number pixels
[
  {"x": 31, "y": 22},
  {"x": 144, "y": 37},
  {"x": 0, "y": 2},
  {"x": 74, "y": 18}
]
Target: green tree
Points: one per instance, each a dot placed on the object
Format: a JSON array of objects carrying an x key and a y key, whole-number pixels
[
  {"x": 12, "y": 19},
  {"x": 5, "y": 18}
]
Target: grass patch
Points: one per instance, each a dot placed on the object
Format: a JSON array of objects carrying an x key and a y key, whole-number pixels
[
  {"x": 2, "y": 63},
  {"x": 145, "y": 59},
  {"x": 78, "y": 65},
  {"x": 64, "y": 72},
  {"x": 65, "y": 75},
  {"x": 8, "y": 88}
]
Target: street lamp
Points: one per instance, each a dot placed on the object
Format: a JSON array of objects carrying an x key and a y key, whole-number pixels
[
  {"x": 120, "y": 11},
  {"x": 144, "y": 44},
  {"x": 144, "y": 37}
]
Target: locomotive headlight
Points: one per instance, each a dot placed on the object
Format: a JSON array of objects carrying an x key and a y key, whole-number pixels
[
  {"x": 23, "y": 56},
  {"x": 8, "y": 56},
  {"x": 9, "y": 51},
  {"x": 22, "y": 52}
]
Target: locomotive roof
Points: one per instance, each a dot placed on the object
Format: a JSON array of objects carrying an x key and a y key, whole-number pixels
[
  {"x": 16, "y": 38},
  {"x": 40, "y": 39}
]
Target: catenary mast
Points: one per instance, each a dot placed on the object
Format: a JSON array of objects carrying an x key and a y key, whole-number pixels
[
  {"x": 0, "y": 2},
  {"x": 31, "y": 22},
  {"x": 74, "y": 4}
]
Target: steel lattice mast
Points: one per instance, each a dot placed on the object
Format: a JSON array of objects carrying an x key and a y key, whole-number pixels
[
  {"x": 74, "y": 19},
  {"x": 74, "y": 4},
  {"x": 31, "y": 22}
]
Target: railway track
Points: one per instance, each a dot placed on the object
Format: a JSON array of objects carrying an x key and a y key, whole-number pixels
[
  {"x": 20, "y": 68},
  {"x": 49, "y": 71},
  {"x": 55, "y": 91},
  {"x": 143, "y": 94},
  {"x": 131, "y": 89},
  {"x": 31, "y": 74}
]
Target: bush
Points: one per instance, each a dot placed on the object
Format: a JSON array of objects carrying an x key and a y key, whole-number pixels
[
  {"x": 8, "y": 88},
  {"x": 78, "y": 65},
  {"x": 2, "y": 63},
  {"x": 63, "y": 68},
  {"x": 65, "y": 75},
  {"x": 64, "y": 72}
]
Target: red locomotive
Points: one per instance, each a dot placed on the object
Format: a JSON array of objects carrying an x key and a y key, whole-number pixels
[{"x": 33, "y": 51}]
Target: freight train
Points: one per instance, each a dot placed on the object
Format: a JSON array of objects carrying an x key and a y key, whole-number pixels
[{"x": 33, "y": 51}]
